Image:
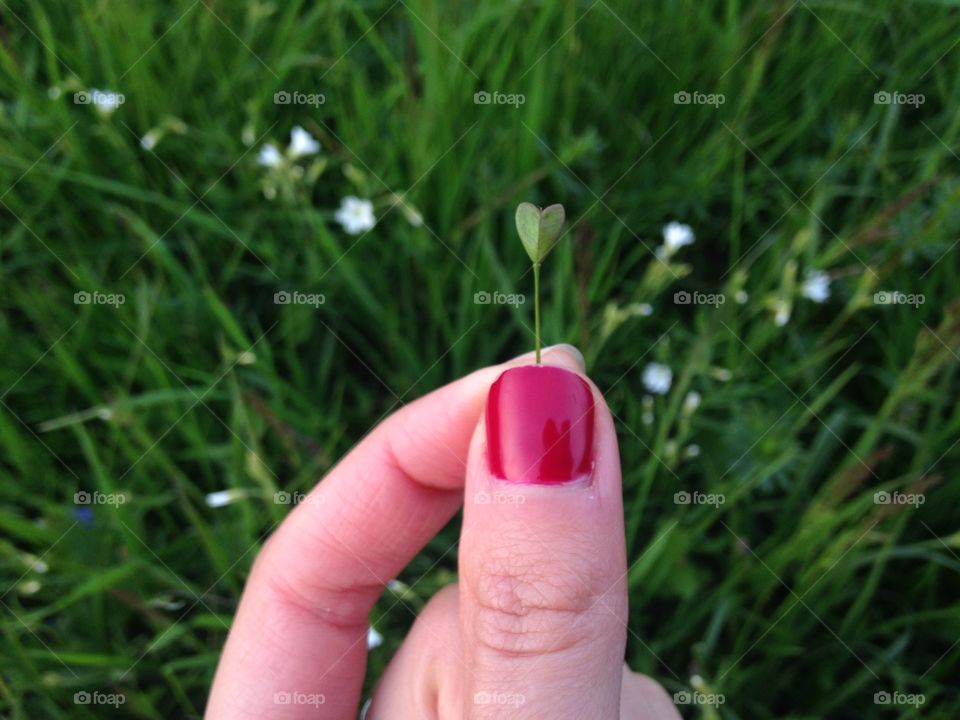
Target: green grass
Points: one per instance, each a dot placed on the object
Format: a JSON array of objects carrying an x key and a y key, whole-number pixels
[{"x": 798, "y": 597}]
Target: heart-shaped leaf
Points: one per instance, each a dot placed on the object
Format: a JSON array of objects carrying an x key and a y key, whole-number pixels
[{"x": 539, "y": 229}]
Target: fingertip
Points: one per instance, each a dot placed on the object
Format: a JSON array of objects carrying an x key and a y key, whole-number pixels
[
  {"x": 570, "y": 353},
  {"x": 562, "y": 355}
]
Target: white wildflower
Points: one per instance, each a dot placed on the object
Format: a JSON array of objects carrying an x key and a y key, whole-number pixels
[
  {"x": 657, "y": 378},
  {"x": 150, "y": 140},
  {"x": 816, "y": 286},
  {"x": 675, "y": 236},
  {"x": 355, "y": 215},
  {"x": 225, "y": 497},
  {"x": 30, "y": 587},
  {"x": 691, "y": 402},
  {"x": 741, "y": 297},
  {"x": 269, "y": 156},
  {"x": 302, "y": 143},
  {"x": 374, "y": 639}
]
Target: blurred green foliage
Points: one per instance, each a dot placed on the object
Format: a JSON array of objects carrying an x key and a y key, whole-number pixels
[{"x": 800, "y": 596}]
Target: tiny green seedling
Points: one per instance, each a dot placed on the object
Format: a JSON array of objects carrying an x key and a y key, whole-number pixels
[{"x": 539, "y": 231}]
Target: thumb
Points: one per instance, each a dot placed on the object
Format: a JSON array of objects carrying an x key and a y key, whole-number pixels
[{"x": 543, "y": 599}]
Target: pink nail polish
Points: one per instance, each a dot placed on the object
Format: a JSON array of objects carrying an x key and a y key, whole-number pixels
[{"x": 540, "y": 426}]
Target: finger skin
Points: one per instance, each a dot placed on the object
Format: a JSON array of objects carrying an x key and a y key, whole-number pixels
[
  {"x": 543, "y": 588},
  {"x": 297, "y": 645},
  {"x": 422, "y": 681},
  {"x": 643, "y": 698}
]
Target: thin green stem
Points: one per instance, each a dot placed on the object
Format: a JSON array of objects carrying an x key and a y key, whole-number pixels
[{"x": 536, "y": 306}]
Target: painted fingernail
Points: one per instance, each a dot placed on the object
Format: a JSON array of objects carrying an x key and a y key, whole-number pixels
[{"x": 540, "y": 422}]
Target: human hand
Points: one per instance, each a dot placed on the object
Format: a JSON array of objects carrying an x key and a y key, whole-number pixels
[{"x": 536, "y": 625}]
